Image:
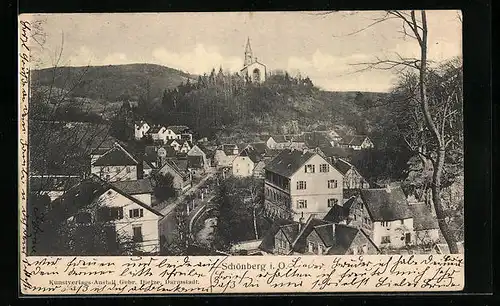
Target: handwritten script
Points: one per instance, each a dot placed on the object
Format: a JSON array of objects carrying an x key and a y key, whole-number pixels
[{"x": 240, "y": 274}]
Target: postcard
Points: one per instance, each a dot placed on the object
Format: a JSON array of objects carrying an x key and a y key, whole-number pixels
[{"x": 241, "y": 152}]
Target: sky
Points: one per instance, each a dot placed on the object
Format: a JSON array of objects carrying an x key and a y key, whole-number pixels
[{"x": 319, "y": 46}]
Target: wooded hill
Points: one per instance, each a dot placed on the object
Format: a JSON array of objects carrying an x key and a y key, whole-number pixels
[{"x": 112, "y": 82}]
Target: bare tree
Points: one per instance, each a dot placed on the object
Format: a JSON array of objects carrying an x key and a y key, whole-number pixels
[{"x": 414, "y": 26}]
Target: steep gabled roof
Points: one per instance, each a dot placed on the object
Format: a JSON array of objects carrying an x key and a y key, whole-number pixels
[
  {"x": 386, "y": 204},
  {"x": 287, "y": 162},
  {"x": 336, "y": 214},
  {"x": 134, "y": 187},
  {"x": 344, "y": 237},
  {"x": 422, "y": 217},
  {"x": 116, "y": 156},
  {"x": 325, "y": 233},
  {"x": 290, "y": 230},
  {"x": 251, "y": 153},
  {"x": 355, "y": 140},
  {"x": 343, "y": 166},
  {"x": 300, "y": 242},
  {"x": 172, "y": 165},
  {"x": 87, "y": 191}
]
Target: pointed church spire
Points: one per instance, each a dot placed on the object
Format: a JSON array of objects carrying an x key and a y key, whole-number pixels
[{"x": 248, "y": 53}]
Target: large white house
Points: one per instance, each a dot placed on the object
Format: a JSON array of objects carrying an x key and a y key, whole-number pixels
[
  {"x": 389, "y": 219},
  {"x": 96, "y": 201},
  {"x": 299, "y": 184}
]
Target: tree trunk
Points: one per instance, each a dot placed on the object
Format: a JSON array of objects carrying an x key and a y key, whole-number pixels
[
  {"x": 255, "y": 224},
  {"x": 439, "y": 164},
  {"x": 436, "y": 198}
]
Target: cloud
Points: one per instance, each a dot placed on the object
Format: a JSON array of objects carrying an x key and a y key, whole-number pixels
[
  {"x": 116, "y": 58},
  {"x": 199, "y": 60},
  {"x": 82, "y": 57}
]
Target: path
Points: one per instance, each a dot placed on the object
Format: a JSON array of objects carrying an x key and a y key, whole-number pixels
[{"x": 170, "y": 207}]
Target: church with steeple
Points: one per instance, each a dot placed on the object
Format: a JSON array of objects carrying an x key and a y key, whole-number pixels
[{"x": 253, "y": 70}]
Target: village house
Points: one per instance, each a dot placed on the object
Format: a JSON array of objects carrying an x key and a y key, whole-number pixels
[
  {"x": 141, "y": 189},
  {"x": 158, "y": 133},
  {"x": 299, "y": 184},
  {"x": 96, "y": 201},
  {"x": 225, "y": 154},
  {"x": 321, "y": 237},
  {"x": 179, "y": 132},
  {"x": 140, "y": 129},
  {"x": 179, "y": 172},
  {"x": 117, "y": 164},
  {"x": 280, "y": 142},
  {"x": 198, "y": 163},
  {"x": 52, "y": 185},
  {"x": 352, "y": 178},
  {"x": 383, "y": 213},
  {"x": 154, "y": 154},
  {"x": 356, "y": 142},
  {"x": 278, "y": 240},
  {"x": 245, "y": 163}
]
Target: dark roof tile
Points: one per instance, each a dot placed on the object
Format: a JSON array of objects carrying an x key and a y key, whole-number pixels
[
  {"x": 287, "y": 162},
  {"x": 134, "y": 187},
  {"x": 116, "y": 157},
  {"x": 386, "y": 204}
]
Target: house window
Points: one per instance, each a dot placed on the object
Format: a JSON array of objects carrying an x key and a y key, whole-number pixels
[
  {"x": 301, "y": 185},
  {"x": 110, "y": 213},
  {"x": 402, "y": 222},
  {"x": 128, "y": 169},
  {"x": 332, "y": 184},
  {"x": 332, "y": 202},
  {"x": 310, "y": 247},
  {"x": 366, "y": 220},
  {"x": 136, "y": 213},
  {"x": 324, "y": 168},
  {"x": 386, "y": 239},
  {"x": 301, "y": 203},
  {"x": 309, "y": 168},
  {"x": 83, "y": 218},
  {"x": 137, "y": 233},
  {"x": 354, "y": 217},
  {"x": 107, "y": 177},
  {"x": 364, "y": 249}
]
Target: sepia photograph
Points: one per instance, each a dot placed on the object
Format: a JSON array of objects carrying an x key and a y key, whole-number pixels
[
  {"x": 236, "y": 134},
  {"x": 283, "y": 133}
]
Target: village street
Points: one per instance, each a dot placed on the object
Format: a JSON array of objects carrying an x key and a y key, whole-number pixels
[{"x": 191, "y": 191}]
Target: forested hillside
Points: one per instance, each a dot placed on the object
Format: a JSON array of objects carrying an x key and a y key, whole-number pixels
[{"x": 112, "y": 82}]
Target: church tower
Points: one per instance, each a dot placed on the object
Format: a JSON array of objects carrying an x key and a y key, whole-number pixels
[
  {"x": 253, "y": 70},
  {"x": 248, "y": 53}
]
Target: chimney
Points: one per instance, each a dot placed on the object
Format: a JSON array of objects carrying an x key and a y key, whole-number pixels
[{"x": 304, "y": 150}]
